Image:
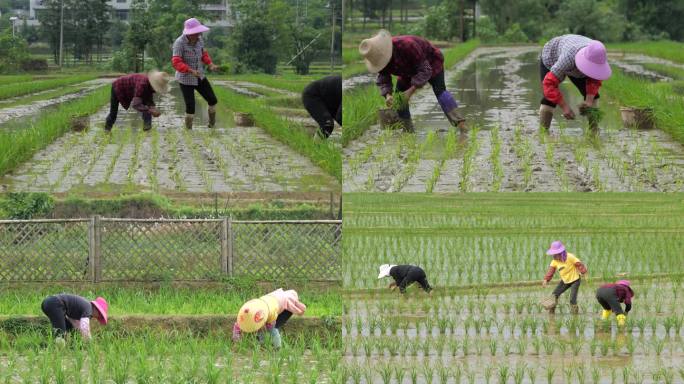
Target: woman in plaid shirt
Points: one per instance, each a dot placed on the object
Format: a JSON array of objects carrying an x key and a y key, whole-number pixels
[
  {"x": 189, "y": 57},
  {"x": 415, "y": 62},
  {"x": 581, "y": 59}
]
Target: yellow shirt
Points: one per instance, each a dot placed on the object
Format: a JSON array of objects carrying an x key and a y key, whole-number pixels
[{"x": 567, "y": 270}]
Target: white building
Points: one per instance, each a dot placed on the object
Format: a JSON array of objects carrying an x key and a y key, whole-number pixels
[{"x": 218, "y": 11}]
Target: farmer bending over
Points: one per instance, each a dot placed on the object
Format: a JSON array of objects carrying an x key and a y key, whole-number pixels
[
  {"x": 323, "y": 100},
  {"x": 268, "y": 313},
  {"x": 136, "y": 91},
  {"x": 188, "y": 58},
  {"x": 581, "y": 59},
  {"x": 68, "y": 312},
  {"x": 405, "y": 275},
  {"x": 611, "y": 295},
  {"x": 415, "y": 62},
  {"x": 570, "y": 269}
]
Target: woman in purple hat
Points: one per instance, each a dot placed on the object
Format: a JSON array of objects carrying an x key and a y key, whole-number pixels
[
  {"x": 570, "y": 269},
  {"x": 611, "y": 295},
  {"x": 581, "y": 59},
  {"x": 188, "y": 58}
]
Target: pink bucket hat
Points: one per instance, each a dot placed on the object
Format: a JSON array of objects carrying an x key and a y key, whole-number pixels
[
  {"x": 193, "y": 26},
  {"x": 556, "y": 248},
  {"x": 101, "y": 304},
  {"x": 591, "y": 60},
  {"x": 623, "y": 282}
]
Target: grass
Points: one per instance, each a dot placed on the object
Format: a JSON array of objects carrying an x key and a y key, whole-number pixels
[
  {"x": 664, "y": 69},
  {"x": 324, "y": 154},
  {"x": 291, "y": 82},
  {"x": 19, "y": 146},
  {"x": 642, "y": 232},
  {"x": 24, "y": 88},
  {"x": 668, "y": 108},
  {"x": 664, "y": 49}
]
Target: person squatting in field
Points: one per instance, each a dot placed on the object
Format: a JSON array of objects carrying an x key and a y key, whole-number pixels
[
  {"x": 571, "y": 271},
  {"x": 581, "y": 59},
  {"x": 69, "y": 312},
  {"x": 269, "y": 313},
  {"x": 136, "y": 90},
  {"x": 188, "y": 58},
  {"x": 415, "y": 62},
  {"x": 611, "y": 295},
  {"x": 323, "y": 100},
  {"x": 405, "y": 275}
]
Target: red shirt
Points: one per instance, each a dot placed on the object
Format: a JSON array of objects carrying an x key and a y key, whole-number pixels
[
  {"x": 129, "y": 87},
  {"x": 414, "y": 59}
]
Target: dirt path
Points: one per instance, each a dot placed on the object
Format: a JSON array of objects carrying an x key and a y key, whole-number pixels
[
  {"x": 168, "y": 158},
  {"x": 498, "y": 89}
]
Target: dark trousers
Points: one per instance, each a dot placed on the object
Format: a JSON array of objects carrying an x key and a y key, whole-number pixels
[
  {"x": 114, "y": 111},
  {"x": 609, "y": 300},
  {"x": 415, "y": 275},
  {"x": 203, "y": 88},
  {"x": 282, "y": 319},
  {"x": 580, "y": 83},
  {"x": 54, "y": 309},
  {"x": 562, "y": 287},
  {"x": 438, "y": 87},
  {"x": 322, "y": 113}
]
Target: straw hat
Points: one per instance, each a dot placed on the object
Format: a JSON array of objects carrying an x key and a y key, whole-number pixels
[
  {"x": 254, "y": 314},
  {"x": 101, "y": 304},
  {"x": 159, "y": 81},
  {"x": 377, "y": 51},
  {"x": 193, "y": 26}
]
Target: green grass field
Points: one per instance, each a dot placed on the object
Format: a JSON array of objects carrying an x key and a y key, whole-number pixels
[{"x": 665, "y": 49}]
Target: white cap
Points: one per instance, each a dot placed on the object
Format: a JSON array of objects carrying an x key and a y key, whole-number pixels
[{"x": 385, "y": 270}]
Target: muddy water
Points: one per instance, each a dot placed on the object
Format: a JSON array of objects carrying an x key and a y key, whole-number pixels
[
  {"x": 416, "y": 347},
  {"x": 499, "y": 88},
  {"x": 168, "y": 158},
  {"x": 16, "y": 117}
]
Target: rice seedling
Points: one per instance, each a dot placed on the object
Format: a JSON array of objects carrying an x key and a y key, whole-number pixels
[{"x": 503, "y": 373}]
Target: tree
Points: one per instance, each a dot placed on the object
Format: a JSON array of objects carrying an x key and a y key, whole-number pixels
[
  {"x": 138, "y": 34},
  {"x": 594, "y": 19},
  {"x": 253, "y": 45},
  {"x": 13, "y": 51}
]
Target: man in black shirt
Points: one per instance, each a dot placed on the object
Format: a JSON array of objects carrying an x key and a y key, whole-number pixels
[
  {"x": 405, "y": 275},
  {"x": 323, "y": 100}
]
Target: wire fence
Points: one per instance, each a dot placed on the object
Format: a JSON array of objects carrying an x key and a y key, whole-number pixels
[{"x": 103, "y": 249}]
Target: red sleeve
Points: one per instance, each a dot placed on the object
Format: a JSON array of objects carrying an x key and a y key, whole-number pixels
[
  {"x": 549, "y": 273},
  {"x": 551, "y": 91},
  {"x": 207, "y": 60},
  {"x": 179, "y": 64},
  {"x": 593, "y": 86},
  {"x": 581, "y": 267}
]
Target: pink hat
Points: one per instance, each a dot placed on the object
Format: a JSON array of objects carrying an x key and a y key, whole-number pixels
[
  {"x": 623, "y": 282},
  {"x": 101, "y": 304},
  {"x": 556, "y": 248},
  {"x": 591, "y": 60},
  {"x": 193, "y": 26}
]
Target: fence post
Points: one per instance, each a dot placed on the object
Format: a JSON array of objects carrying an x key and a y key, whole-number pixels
[
  {"x": 97, "y": 249},
  {"x": 224, "y": 246},
  {"x": 231, "y": 238},
  {"x": 91, "y": 249}
]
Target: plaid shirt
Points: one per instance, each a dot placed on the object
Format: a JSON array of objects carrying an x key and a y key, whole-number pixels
[
  {"x": 624, "y": 294},
  {"x": 129, "y": 87},
  {"x": 559, "y": 55},
  {"x": 192, "y": 56},
  {"x": 414, "y": 59}
]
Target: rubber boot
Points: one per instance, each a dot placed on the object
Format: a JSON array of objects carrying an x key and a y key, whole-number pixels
[
  {"x": 545, "y": 116},
  {"x": 621, "y": 318},
  {"x": 275, "y": 338},
  {"x": 574, "y": 309},
  {"x": 212, "y": 116},
  {"x": 552, "y": 310},
  {"x": 605, "y": 314},
  {"x": 188, "y": 120},
  {"x": 450, "y": 109}
]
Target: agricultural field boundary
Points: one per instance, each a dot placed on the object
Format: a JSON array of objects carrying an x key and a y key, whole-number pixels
[
  {"x": 324, "y": 154},
  {"x": 25, "y": 88}
]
